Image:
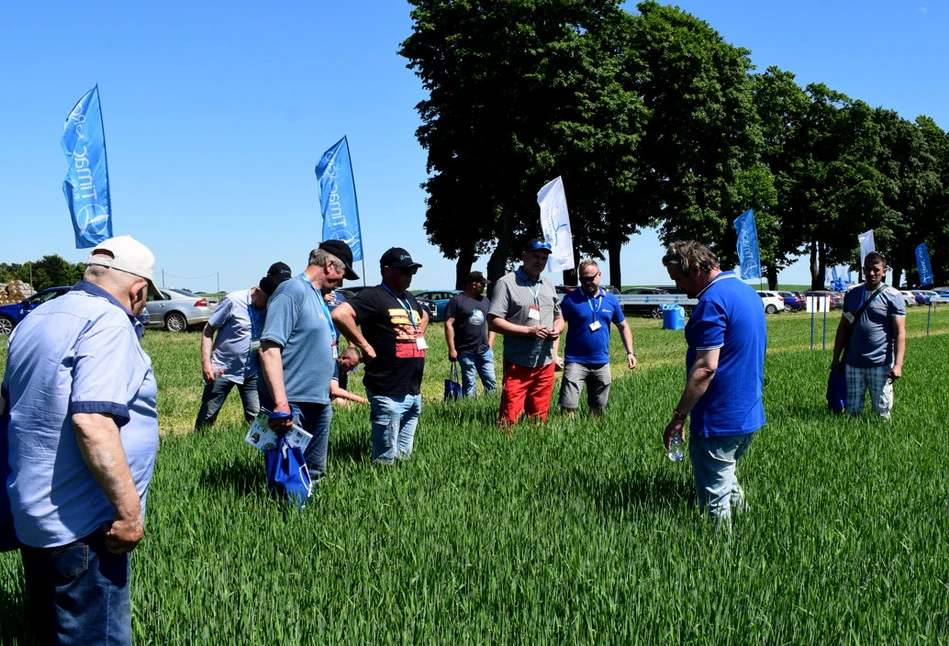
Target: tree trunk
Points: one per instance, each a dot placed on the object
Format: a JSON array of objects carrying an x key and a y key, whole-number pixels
[
  {"x": 466, "y": 259},
  {"x": 772, "y": 274},
  {"x": 614, "y": 247},
  {"x": 815, "y": 284},
  {"x": 497, "y": 263}
]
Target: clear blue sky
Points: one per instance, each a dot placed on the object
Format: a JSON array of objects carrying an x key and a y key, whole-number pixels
[{"x": 216, "y": 114}]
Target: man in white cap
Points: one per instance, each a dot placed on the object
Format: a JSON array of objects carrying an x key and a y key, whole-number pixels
[{"x": 78, "y": 404}]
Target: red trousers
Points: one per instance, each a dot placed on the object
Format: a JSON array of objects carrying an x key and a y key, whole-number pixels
[{"x": 530, "y": 386}]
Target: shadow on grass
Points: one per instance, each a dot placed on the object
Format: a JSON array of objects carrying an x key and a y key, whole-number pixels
[
  {"x": 14, "y": 620},
  {"x": 642, "y": 492},
  {"x": 244, "y": 477},
  {"x": 349, "y": 447}
]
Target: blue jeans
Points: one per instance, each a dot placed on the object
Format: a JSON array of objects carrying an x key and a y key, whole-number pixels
[
  {"x": 473, "y": 365},
  {"x": 713, "y": 467},
  {"x": 215, "y": 394},
  {"x": 394, "y": 420},
  {"x": 314, "y": 419},
  {"x": 79, "y": 592}
]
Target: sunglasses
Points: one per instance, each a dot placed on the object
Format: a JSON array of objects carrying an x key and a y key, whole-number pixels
[{"x": 589, "y": 279}]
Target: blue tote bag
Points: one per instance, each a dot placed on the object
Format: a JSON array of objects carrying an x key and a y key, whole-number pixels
[{"x": 287, "y": 474}]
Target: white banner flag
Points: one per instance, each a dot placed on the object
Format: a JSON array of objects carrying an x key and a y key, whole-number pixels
[
  {"x": 555, "y": 223},
  {"x": 866, "y": 244}
]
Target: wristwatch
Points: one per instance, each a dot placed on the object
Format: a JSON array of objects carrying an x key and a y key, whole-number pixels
[{"x": 679, "y": 417}]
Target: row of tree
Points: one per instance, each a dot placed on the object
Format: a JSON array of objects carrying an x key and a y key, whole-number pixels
[
  {"x": 50, "y": 271},
  {"x": 653, "y": 120}
]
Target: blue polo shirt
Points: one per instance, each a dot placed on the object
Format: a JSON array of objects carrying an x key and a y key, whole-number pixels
[
  {"x": 239, "y": 325},
  {"x": 729, "y": 317},
  {"x": 79, "y": 353},
  {"x": 298, "y": 321},
  {"x": 580, "y": 311}
]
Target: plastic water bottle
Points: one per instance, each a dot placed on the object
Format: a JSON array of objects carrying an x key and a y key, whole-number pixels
[{"x": 675, "y": 449}]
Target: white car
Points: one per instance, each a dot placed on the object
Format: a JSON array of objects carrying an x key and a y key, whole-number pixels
[
  {"x": 772, "y": 301},
  {"x": 908, "y": 297}
]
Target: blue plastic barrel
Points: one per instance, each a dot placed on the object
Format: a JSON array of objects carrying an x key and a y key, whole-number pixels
[{"x": 673, "y": 317}]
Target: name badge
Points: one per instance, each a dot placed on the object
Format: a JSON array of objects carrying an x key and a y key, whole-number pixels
[
  {"x": 255, "y": 344},
  {"x": 534, "y": 313},
  {"x": 594, "y": 326},
  {"x": 420, "y": 342},
  {"x": 335, "y": 351}
]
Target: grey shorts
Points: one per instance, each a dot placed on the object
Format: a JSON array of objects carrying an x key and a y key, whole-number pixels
[{"x": 597, "y": 377}]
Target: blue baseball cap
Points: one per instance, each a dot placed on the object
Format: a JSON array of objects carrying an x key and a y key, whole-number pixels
[{"x": 537, "y": 244}]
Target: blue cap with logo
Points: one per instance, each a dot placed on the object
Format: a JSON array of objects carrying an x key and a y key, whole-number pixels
[{"x": 537, "y": 244}]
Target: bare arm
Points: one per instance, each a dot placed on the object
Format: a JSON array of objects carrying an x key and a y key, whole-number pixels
[
  {"x": 271, "y": 363},
  {"x": 207, "y": 335},
  {"x": 340, "y": 393},
  {"x": 99, "y": 442},
  {"x": 627, "y": 336},
  {"x": 344, "y": 318},
  {"x": 899, "y": 346},
  {"x": 450, "y": 338},
  {"x": 696, "y": 385},
  {"x": 840, "y": 340},
  {"x": 505, "y": 327},
  {"x": 423, "y": 325},
  {"x": 491, "y": 335}
]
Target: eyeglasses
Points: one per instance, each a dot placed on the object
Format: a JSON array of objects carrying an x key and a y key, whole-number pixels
[{"x": 589, "y": 279}]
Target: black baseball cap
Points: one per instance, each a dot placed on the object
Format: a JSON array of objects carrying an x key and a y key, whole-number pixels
[
  {"x": 342, "y": 251},
  {"x": 477, "y": 277},
  {"x": 278, "y": 272},
  {"x": 537, "y": 243},
  {"x": 398, "y": 258}
]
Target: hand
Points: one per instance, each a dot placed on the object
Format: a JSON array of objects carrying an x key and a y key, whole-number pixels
[
  {"x": 675, "y": 427},
  {"x": 834, "y": 364},
  {"x": 368, "y": 353},
  {"x": 558, "y": 364},
  {"x": 896, "y": 372},
  {"x": 280, "y": 419},
  {"x": 553, "y": 333},
  {"x": 453, "y": 355},
  {"x": 631, "y": 359},
  {"x": 210, "y": 374},
  {"x": 538, "y": 331},
  {"x": 121, "y": 536}
]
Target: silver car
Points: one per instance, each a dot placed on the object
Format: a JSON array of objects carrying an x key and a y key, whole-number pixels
[{"x": 178, "y": 309}]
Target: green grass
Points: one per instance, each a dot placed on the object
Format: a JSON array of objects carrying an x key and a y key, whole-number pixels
[{"x": 579, "y": 531}]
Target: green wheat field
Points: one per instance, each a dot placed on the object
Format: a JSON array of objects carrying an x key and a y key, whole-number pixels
[{"x": 579, "y": 531}]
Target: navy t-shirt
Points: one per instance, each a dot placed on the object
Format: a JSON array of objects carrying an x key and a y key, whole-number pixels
[
  {"x": 471, "y": 320},
  {"x": 729, "y": 316},
  {"x": 580, "y": 311}
]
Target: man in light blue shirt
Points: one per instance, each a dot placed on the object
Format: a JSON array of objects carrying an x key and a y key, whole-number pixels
[
  {"x": 233, "y": 361},
  {"x": 298, "y": 351},
  {"x": 83, "y": 433}
]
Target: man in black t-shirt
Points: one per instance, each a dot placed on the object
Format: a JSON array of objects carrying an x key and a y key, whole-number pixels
[
  {"x": 466, "y": 321},
  {"x": 392, "y": 340}
]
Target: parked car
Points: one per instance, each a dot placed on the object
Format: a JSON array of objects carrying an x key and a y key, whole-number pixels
[
  {"x": 178, "y": 309},
  {"x": 836, "y": 298},
  {"x": 12, "y": 314},
  {"x": 643, "y": 309},
  {"x": 923, "y": 296},
  {"x": 428, "y": 305},
  {"x": 772, "y": 301},
  {"x": 908, "y": 297},
  {"x": 440, "y": 298},
  {"x": 793, "y": 302}
]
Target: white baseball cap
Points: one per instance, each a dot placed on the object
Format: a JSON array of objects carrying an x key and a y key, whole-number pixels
[{"x": 125, "y": 253}]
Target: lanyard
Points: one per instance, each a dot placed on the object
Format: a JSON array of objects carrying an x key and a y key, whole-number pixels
[
  {"x": 534, "y": 292},
  {"x": 405, "y": 306},
  {"x": 599, "y": 303},
  {"x": 326, "y": 310}
]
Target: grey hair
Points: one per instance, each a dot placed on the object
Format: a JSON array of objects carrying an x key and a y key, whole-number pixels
[
  {"x": 690, "y": 256},
  {"x": 109, "y": 278},
  {"x": 319, "y": 257}
]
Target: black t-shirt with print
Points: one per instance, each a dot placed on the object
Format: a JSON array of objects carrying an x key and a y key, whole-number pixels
[
  {"x": 399, "y": 363},
  {"x": 471, "y": 322}
]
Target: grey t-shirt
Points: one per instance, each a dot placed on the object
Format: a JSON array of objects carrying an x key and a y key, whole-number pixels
[
  {"x": 871, "y": 343},
  {"x": 514, "y": 297}
]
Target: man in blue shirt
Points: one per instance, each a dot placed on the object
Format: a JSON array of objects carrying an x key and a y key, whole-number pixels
[
  {"x": 83, "y": 433},
  {"x": 298, "y": 351},
  {"x": 877, "y": 340},
  {"x": 724, "y": 375},
  {"x": 233, "y": 361},
  {"x": 588, "y": 312}
]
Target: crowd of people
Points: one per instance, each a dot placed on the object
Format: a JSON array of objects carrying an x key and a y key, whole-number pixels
[{"x": 79, "y": 420}]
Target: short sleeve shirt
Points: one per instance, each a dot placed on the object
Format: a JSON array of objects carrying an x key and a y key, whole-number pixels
[
  {"x": 583, "y": 313},
  {"x": 79, "y": 353},
  {"x": 470, "y": 322},
  {"x": 298, "y": 321},
  {"x": 515, "y": 295},
  {"x": 239, "y": 325},
  {"x": 390, "y": 324},
  {"x": 871, "y": 343},
  {"x": 729, "y": 317}
]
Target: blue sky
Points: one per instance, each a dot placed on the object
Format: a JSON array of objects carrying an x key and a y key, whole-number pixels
[{"x": 216, "y": 114}]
